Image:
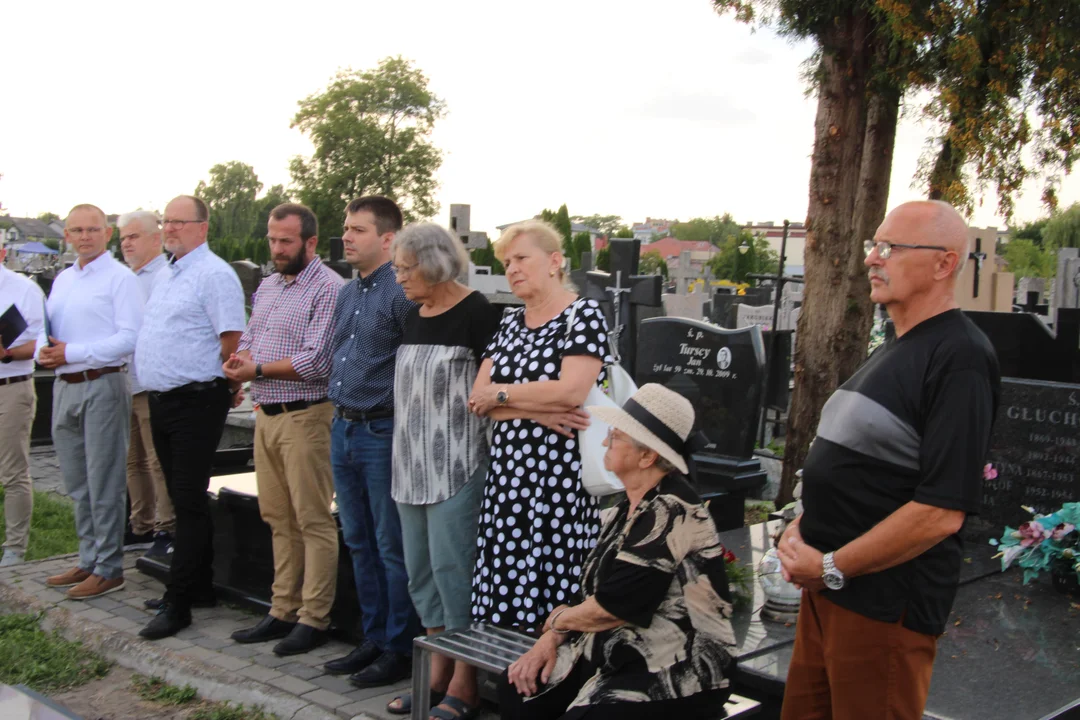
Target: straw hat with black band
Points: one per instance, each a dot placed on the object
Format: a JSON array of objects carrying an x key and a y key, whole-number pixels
[{"x": 660, "y": 419}]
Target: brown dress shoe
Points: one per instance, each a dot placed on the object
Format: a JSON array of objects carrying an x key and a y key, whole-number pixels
[
  {"x": 95, "y": 586},
  {"x": 74, "y": 576}
]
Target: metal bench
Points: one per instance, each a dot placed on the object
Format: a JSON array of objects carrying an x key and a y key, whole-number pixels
[{"x": 492, "y": 649}]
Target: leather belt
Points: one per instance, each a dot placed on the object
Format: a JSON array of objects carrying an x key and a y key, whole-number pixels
[
  {"x": 16, "y": 379},
  {"x": 88, "y": 375},
  {"x": 362, "y": 415},
  {"x": 278, "y": 408},
  {"x": 191, "y": 388}
]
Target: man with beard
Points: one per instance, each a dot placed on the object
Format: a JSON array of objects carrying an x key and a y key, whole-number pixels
[{"x": 286, "y": 354}]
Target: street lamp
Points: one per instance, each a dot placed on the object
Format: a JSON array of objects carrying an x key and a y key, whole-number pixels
[{"x": 743, "y": 248}]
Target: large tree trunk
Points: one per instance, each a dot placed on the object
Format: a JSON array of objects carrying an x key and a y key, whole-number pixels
[{"x": 855, "y": 132}]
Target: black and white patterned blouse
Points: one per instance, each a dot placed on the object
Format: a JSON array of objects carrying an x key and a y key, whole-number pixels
[{"x": 438, "y": 443}]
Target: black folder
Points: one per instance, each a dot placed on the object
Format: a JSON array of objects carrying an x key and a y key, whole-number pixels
[{"x": 12, "y": 325}]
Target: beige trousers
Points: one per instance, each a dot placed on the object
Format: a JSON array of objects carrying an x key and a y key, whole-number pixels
[
  {"x": 151, "y": 508},
  {"x": 296, "y": 487},
  {"x": 17, "y": 405}
]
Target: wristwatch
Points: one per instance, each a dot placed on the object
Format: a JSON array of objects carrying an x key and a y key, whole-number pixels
[
  {"x": 8, "y": 357},
  {"x": 258, "y": 372},
  {"x": 502, "y": 397},
  {"x": 834, "y": 579}
]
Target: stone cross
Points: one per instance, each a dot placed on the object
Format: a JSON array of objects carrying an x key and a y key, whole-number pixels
[{"x": 978, "y": 256}]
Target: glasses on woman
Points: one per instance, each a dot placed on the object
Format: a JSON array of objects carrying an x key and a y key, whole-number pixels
[
  {"x": 404, "y": 270},
  {"x": 884, "y": 249}
]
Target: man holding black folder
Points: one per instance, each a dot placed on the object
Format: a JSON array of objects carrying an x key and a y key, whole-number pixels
[{"x": 22, "y": 312}]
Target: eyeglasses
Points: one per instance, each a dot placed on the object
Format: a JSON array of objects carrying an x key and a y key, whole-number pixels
[
  {"x": 611, "y": 437},
  {"x": 87, "y": 230},
  {"x": 167, "y": 223},
  {"x": 884, "y": 249},
  {"x": 404, "y": 270}
]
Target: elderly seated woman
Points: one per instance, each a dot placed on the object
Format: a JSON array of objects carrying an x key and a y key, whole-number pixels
[{"x": 650, "y": 637}]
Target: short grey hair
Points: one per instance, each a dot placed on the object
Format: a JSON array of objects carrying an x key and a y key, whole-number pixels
[
  {"x": 440, "y": 257},
  {"x": 148, "y": 219},
  {"x": 666, "y": 466}
]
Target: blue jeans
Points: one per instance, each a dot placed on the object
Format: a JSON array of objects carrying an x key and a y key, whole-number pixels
[{"x": 361, "y": 456}]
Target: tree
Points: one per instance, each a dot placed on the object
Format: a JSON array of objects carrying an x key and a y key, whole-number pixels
[
  {"x": 1026, "y": 259},
  {"x": 582, "y": 244},
  {"x": 652, "y": 264},
  {"x": 1032, "y": 231},
  {"x": 1063, "y": 230},
  {"x": 230, "y": 195},
  {"x": 275, "y": 196},
  {"x": 730, "y": 264},
  {"x": 624, "y": 232},
  {"x": 372, "y": 135},
  {"x": 603, "y": 224},
  {"x": 603, "y": 259},
  {"x": 560, "y": 220},
  {"x": 715, "y": 230},
  {"x": 485, "y": 257},
  {"x": 48, "y": 217}
]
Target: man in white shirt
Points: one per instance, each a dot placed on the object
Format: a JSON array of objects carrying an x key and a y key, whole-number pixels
[
  {"x": 152, "y": 519},
  {"x": 94, "y": 312},
  {"x": 17, "y": 403},
  {"x": 194, "y": 319}
]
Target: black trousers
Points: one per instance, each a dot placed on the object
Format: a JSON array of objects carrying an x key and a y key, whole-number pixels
[{"x": 186, "y": 424}]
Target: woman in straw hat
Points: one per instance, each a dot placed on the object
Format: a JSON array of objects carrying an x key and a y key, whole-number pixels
[{"x": 650, "y": 634}]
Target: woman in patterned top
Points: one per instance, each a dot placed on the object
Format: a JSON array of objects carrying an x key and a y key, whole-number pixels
[
  {"x": 440, "y": 448},
  {"x": 537, "y": 523},
  {"x": 649, "y": 636}
]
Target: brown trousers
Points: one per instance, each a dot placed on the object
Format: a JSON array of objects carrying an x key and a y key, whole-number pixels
[
  {"x": 296, "y": 487},
  {"x": 17, "y": 405},
  {"x": 848, "y": 667},
  {"x": 151, "y": 508}
]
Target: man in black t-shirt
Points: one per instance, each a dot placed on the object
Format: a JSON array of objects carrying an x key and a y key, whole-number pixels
[{"x": 896, "y": 466}]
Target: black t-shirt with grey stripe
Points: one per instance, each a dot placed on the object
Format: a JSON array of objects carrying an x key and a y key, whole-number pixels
[{"x": 912, "y": 424}]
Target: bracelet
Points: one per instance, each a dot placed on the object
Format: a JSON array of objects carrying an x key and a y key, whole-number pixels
[{"x": 552, "y": 623}]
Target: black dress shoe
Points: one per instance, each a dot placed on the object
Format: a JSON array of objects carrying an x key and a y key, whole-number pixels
[
  {"x": 302, "y": 639},
  {"x": 158, "y": 603},
  {"x": 169, "y": 621},
  {"x": 365, "y": 653},
  {"x": 390, "y": 668},
  {"x": 269, "y": 628}
]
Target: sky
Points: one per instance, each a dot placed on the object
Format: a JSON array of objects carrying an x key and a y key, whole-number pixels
[{"x": 658, "y": 109}]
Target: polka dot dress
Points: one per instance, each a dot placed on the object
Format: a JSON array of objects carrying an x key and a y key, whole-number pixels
[{"x": 537, "y": 523}]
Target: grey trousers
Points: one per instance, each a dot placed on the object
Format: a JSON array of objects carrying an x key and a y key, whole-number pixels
[{"x": 90, "y": 428}]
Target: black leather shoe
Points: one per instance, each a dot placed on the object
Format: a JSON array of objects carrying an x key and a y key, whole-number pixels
[
  {"x": 158, "y": 603},
  {"x": 365, "y": 653},
  {"x": 302, "y": 639},
  {"x": 169, "y": 621},
  {"x": 269, "y": 628},
  {"x": 390, "y": 668}
]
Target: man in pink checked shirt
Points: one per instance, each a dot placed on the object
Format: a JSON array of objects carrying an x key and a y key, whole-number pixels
[{"x": 286, "y": 354}]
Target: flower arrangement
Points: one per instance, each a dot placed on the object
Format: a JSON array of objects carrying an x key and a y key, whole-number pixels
[
  {"x": 740, "y": 578},
  {"x": 1047, "y": 542}
]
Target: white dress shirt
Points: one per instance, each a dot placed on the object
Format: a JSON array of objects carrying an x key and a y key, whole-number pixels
[
  {"x": 146, "y": 275},
  {"x": 194, "y": 301},
  {"x": 24, "y": 294},
  {"x": 97, "y": 311}
]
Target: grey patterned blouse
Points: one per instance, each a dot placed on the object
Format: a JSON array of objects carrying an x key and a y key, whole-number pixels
[
  {"x": 662, "y": 571},
  {"x": 438, "y": 443}
]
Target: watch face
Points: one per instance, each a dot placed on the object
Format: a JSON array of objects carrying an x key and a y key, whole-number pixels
[
  {"x": 833, "y": 582},
  {"x": 502, "y": 397}
]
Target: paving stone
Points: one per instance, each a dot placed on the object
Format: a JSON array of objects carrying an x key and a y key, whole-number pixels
[
  {"x": 270, "y": 661},
  {"x": 104, "y": 603},
  {"x": 93, "y": 615},
  {"x": 210, "y": 643},
  {"x": 326, "y": 698},
  {"x": 189, "y": 634},
  {"x": 240, "y": 651},
  {"x": 348, "y": 711},
  {"x": 199, "y": 653},
  {"x": 294, "y": 685},
  {"x": 262, "y": 674},
  {"x": 173, "y": 643},
  {"x": 333, "y": 683},
  {"x": 304, "y": 672},
  {"x": 133, "y": 614},
  {"x": 228, "y": 662},
  {"x": 368, "y": 693},
  {"x": 122, "y": 623}
]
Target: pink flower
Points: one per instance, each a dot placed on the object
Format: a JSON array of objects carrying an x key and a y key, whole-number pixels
[
  {"x": 1031, "y": 533},
  {"x": 989, "y": 473},
  {"x": 1062, "y": 530}
]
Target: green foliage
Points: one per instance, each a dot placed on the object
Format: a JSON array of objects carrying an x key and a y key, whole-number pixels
[
  {"x": 730, "y": 264},
  {"x": 229, "y": 249},
  {"x": 372, "y": 135},
  {"x": 582, "y": 243},
  {"x": 602, "y": 261},
  {"x": 157, "y": 690},
  {"x": 486, "y": 257},
  {"x": 604, "y": 224},
  {"x": 716, "y": 229},
  {"x": 44, "y": 662},
  {"x": 1063, "y": 229},
  {"x": 51, "y": 243},
  {"x": 1032, "y": 231},
  {"x": 624, "y": 232},
  {"x": 229, "y": 711},
  {"x": 275, "y": 196},
  {"x": 1026, "y": 259},
  {"x": 48, "y": 217},
  {"x": 652, "y": 264},
  {"x": 52, "y": 526},
  {"x": 231, "y": 196}
]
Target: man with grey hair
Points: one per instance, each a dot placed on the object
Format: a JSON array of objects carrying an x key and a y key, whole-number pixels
[
  {"x": 152, "y": 518},
  {"x": 93, "y": 313},
  {"x": 17, "y": 404},
  {"x": 896, "y": 466}
]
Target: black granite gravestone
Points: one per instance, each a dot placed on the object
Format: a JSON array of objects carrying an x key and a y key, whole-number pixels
[
  {"x": 250, "y": 276},
  {"x": 1027, "y": 349},
  {"x": 337, "y": 259},
  {"x": 722, "y": 373}
]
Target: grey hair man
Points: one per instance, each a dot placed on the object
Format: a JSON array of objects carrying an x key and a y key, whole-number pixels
[{"x": 152, "y": 519}]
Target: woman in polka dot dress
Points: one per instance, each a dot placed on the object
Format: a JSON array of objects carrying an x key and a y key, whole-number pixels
[{"x": 537, "y": 523}]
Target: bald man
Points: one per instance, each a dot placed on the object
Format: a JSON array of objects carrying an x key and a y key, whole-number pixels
[{"x": 896, "y": 466}]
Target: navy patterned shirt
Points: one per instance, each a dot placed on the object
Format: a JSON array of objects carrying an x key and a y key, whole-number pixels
[{"x": 371, "y": 314}]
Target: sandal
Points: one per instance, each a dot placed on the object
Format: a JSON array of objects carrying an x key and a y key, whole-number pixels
[
  {"x": 406, "y": 702},
  {"x": 464, "y": 712}
]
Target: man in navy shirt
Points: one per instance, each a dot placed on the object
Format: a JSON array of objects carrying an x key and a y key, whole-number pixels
[
  {"x": 370, "y": 315},
  {"x": 896, "y": 466}
]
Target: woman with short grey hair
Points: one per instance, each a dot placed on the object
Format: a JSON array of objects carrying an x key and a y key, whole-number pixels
[{"x": 440, "y": 448}]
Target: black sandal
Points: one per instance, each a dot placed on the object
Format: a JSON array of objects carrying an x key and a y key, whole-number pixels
[{"x": 406, "y": 702}]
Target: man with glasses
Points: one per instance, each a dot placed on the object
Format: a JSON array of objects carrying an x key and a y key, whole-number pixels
[
  {"x": 17, "y": 405},
  {"x": 93, "y": 316},
  {"x": 152, "y": 519},
  {"x": 194, "y": 319},
  {"x": 896, "y": 466}
]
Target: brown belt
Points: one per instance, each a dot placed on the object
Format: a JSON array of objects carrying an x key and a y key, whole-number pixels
[
  {"x": 88, "y": 375},
  {"x": 13, "y": 380}
]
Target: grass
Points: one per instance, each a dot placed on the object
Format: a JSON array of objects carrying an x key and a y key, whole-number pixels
[
  {"x": 229, "y": 711},
  {"x": 757, "y": 511},
  {"x": 44, "y": 662},
  {"x": 157, "y": 690},
  {"x": 52, "y": 526}
]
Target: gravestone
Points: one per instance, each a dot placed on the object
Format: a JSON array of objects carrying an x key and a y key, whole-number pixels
[
  {"x": 250, "y": 276},
  {"x": 1067, "y": 279},
  {"x": 722, "y": 373},
  {"x": 1027, "y": 349},
  {"x": 683, "y": 273},
  {"x": 754, "y": 315},
  {"x": 337, "y": 259},
  {"x": 580, "y": 276},
  {"x": 691, "y": 305}
]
